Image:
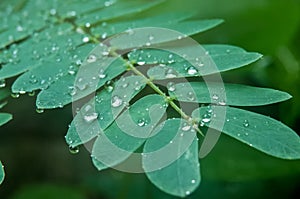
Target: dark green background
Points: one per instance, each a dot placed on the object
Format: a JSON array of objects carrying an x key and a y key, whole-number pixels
[{"x": 38, "y": 163}]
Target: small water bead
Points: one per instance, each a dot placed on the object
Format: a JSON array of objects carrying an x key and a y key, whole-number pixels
[
  {"x": 72, "y": 91},
  {"x": 206, "y": 118},
  {"x": 101, "y": 74},
  {"x": 39, "y": 110},
  {"x": 191, "y": 96},
  {"x": 171, "y": 86},
  {"x": 85, "y": 39},
  {"x": 170, "y": 73},
  {"x": 186, "y": 127},
  {"x": 192, "y": 71},
  {"x": 31, "y": 94},
  {"x": 109, "y": 86},
  {"x": 142, "y": 122},
  {"x": 91, "y": 58},
  {"x": 52, "y": 12},
  {"x": 81, "y": 84},
  {"x": 222, "y": 103},
  {"x": 125, "y": 85},
  {"x": 116, "y": 101},
  {"x": 2, "y": 83},
  {"x": 193, "y": 181},
  {"x": 90, "y": 117},
  {"x": 15, "y": 95},
  {"x": 74, "y": 150},
  {"x": 246, "y": 123},
  {"x": 104, "y": 35},
  {"x": 141, "y": 63},
  {"x": 87, "y": 25},
  {"x": 187, "y": 193},
  {"x": 215, "y": 97}
]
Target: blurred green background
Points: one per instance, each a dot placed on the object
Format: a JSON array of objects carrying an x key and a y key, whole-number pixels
[{"x": 39, "y": 165}]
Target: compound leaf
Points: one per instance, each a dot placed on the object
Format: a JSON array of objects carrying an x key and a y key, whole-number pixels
[{"x": 1, "y": 173}]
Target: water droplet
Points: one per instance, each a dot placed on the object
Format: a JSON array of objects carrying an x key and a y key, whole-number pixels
[
  {"x": 91, "y": 58},
  {"x": 215, "y": 97},
  {"x": 187, "y": 193},
  {"x": 193, "y": 181},
  {"x": 104, "y": 35},
  {"x": 39, "y": 110},
  {"x": 52, "y": 12},
  {"x": 186, "y": 127},
  {"x": 87, "y": 25},
  {"x": 238, "y": 134},
  {"x": 116, "y": 101},
  {"x": 171, "y": 86},
  {"x": 141, "y": 63},
  {"x": 142, "y": 122},
  {"x": 170, "y": 73},
  {"x": 246, "y": 123},
  {"x": 90, "y": 117},
  {"x": 101, "y": 74},
  {"x": 206, "y": 118},
  {"x": 15, "y": 95},
  {"x": 222, "y": 102},
  {"x": 2, "y": 83},
  {"x": 19, "y": 28},
  {"x": 86, "y": 39},
  {"x": 81, "y": 85},
  {"x": 74, "y": 150},
  {"x": 125, "y": 85},
  {"x": 72, "y": 91},
  {"x": 191, "y": 96},
  {"x": 192, "y": 71},
  {"x": 31, "y": 94},
  {"x": 109, "y": 86}
]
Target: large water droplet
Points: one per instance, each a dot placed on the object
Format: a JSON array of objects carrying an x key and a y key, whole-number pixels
[
  {"x": 170, "y": 73},
  {"x": 39, "y": 110},
  {"x": 186, "y": 127},
  {"x": 191, "y": 96},
  {"x": 74, "y": 150},
  {"x": 91, "y": 58},
  {"x": 90, "y": 117},
  {"x": 192, "y": 71},
  {"x": 171, "y": 86},
  {"x": 2, "y": 83},
  {"x": 116, "y": 101}
]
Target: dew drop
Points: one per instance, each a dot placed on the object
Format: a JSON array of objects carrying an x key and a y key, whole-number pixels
[
  {"x": 91, "y": 58},
  {"x": 101, "y": 74},
  {"x": 171, "y": 86},
  {"x": 191, "y": 96},
  {"x": 116, "y": 101},
  {"x": 192, "y": 71},
  {"x": 193, "y": 181},
  {"x": 2, "y": 83},
  {"x": 74, "y": 150},
  {"x": 15, "y": 95},
  {"x": 141, "y": 122},
  {"x": 109, "y": 86},
  {"x": 222, "y": 102},
  {"x": 72, "y": 91},
  {"x": 170, "y": 73},
  {"x": 31, "y": 94},
  {"x": 87, "y": 25},
  {"x": 246, "y": 123},
  {"x": 39, "y": 110},
  {"x": 81, "y": 85},
  {"x": 85, "y": 39},
  {"x": 186, "y": 127},
  {"x": 90, "y": 117},
  {"x": 52, "y": 12},
  {"x": 187, "y": 193},
  {"x": 215, "y": 97},
  {"x": 141, "y": 63}
]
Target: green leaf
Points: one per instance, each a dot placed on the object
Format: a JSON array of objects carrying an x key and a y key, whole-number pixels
[
  {"x": 226, "y": 93},
  {"x": 4, "y": 118},
  {"x": 171, "y": 158},
  {"x": 147, "y": 36},
  {"x": 97, "y": 114},
  {"x": 153, "y": 21},
  {"x": 128, "y": 132},
  {"x": 224, "y": 57},
  {"x": 116, "y": 10},
  {"x": 2, "y": 174},
  {"x": 258, "y": 131}
]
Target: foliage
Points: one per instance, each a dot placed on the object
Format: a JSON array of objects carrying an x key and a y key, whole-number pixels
[{"x": 47, "y": 56}]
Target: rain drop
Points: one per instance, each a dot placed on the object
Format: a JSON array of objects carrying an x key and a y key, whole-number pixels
[
  {"x": 193, "y": 181},
  {"x": 186, "y": 127},
  {"x": 171, "y": 86},
  {"x": 141, "y": 122},
  {"x": 39, "y": 110},
  {"x": 91, "y": 58},
  {"x": 215, "y": 97},
  {"x": 90, "y": 117},
  {"x": 86, "y": 39},
  {"x": 74, "y": 150},
  {"x": 192, "y": 71},
  {"x": 170, "y": 73},
  {"x": 101, "y": 74},
  {"x": 15, "y": 95},
  {"x": 109, "y": 86},
  {"x": 116, "y": 101},
  {"x": 246, "y": 123},
  {"x": 141, "y": 63},
  {"x": 191, "y": 96},
  {"x": 2, "y": 83}
]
